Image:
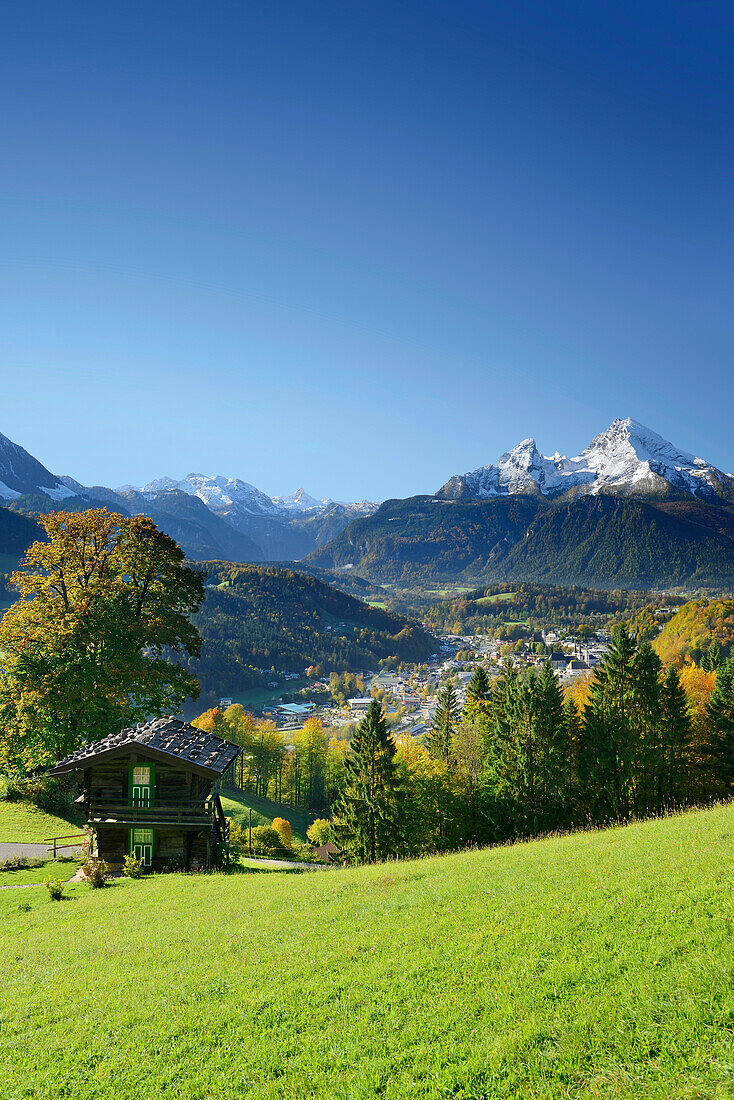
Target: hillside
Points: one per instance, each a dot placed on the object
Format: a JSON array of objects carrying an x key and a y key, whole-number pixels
[
  {"x": 593, "y": 965},
  {"x": 198, "y": 531},
  {"x": 539, "y": 605},
  {"x": 594, "y": 541},
  {"x": 237, "y": 805},
  {"x": 428, "y": 537},
  {"x": 694, "y": 628},
  {"x": 16, "y": 534},
  {"x": 620, "y": 543},
  {"x": 260, "y": 618}
]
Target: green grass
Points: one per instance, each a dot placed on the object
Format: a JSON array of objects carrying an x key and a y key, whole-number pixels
[
  {"x": 236, "y": 804},
  {"x": 499, "y": 596},
  {"x": 22, "y": 823},
  {"x": 597, "y": 965},
  {"x": 378, "y": 603},
  {"x": 63, "y": 869}
]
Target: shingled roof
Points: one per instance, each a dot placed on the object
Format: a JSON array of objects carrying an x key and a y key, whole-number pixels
[{"x": 163, "y": 737}]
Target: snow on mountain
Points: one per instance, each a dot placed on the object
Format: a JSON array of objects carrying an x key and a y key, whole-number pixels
[
  {"x": 21, "y": 473},
  {"x": 229, "y": 496},
  {"x": 626, "y": 459},
  {"x": 301, "y": 501},
  {"x": 216, "y": 492}
]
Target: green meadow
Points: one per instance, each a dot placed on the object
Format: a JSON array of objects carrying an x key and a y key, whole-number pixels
[
  {"x": 237, "y": 804},
  {"x": 23, "y": 823},
  {"x": 497, "y": 598},
  {"x": 598, "y": 964}
]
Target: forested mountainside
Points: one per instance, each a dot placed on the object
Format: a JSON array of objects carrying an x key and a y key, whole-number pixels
[
  {"x": 428, "y": 537},
  {"x": 17, "y": 532},
  {"x": 200, "y": 533},
  {"x": 610, "y": 542},
  {"x": 536, "y": 606},
  {"x": 256, "y": 618},
  {"x": 594, "y": 541},
  {"x": 698, "y": 625}
]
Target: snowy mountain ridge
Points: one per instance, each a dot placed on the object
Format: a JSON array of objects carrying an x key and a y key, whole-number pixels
[
  {"x": 626, "y": 459},
  {"x": 232, "y": 494}
]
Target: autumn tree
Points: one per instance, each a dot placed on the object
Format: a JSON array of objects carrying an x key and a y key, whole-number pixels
[{"x": 91, "y": 645}]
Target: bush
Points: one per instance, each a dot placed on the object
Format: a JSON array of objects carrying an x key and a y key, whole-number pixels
[
  {"x": 305, "y": 853},
  {"x": 132, "y": 867},
  {"x": 55, "y": 888},
  {"x": 320, "y": 832},
  {"x": 96, "y": 872},
  {"x": 284, "y": 831},
  {"x": 15, "y": 863},
  {"x": 174, "y": 864},
  {"x": 48, "y": 794},
  {"x": 267, "y": 841},
  {"x": 237, "y": 839},
  {"x": 10, "y": 788}
]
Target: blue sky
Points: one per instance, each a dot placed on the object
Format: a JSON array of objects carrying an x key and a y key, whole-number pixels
[{"x": 361, "y": 246}]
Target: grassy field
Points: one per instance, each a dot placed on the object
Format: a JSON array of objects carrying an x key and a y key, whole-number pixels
[
  {"x": 21, "y": 823},
  {"x": 596, "y": 965},
  {"x": 497, "y": 598},
  {"x": 236, "y": 804},
  {"x": 62, "y": 869}
]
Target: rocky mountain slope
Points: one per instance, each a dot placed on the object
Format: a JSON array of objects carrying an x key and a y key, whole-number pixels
[
  {"x": 211, "y": 517},
  {"x": 21, "y": 473},
  {"x": 627, "y": 459}
]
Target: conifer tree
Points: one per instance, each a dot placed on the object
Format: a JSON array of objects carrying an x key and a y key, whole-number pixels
[
  {"x": 366, "y": 814},
  {"x": 605, "y": 751},
  {"x": 711, "y": 657},
  {"x": 551, "y": 735},
  {"x": 675, "y": 737},
  {"x": 646, "y": 747},
  {"x": 720, "y": 710},
  {"x": 448, "y": 712},
  {"x": 479, "y": 686}
]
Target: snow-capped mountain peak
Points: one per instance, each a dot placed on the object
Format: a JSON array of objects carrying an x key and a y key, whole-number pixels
[
  {"x": 625, "y": 459},
  {"x": 300, "y": 500},
  {"x": 216, "y": 492},
  {"x": 21, "y": 473}
]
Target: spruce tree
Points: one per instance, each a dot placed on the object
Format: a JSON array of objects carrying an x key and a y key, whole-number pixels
[
  {"x": 479, "y": 686},
  {"x": 646, "y": 748},
  {"x": 366, "y": 813},
  {"x": 440, "y": 738},
  {"x": 711, "y": 658},
  {"x": 675, "y": 738},
  {"x": 720, "y": 710},
  {"x": 606, "y": 747},
  {"x": 551, "y": 736}
]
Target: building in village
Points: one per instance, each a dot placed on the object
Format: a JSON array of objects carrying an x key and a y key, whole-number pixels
[{"x": 150, "y": 791}]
